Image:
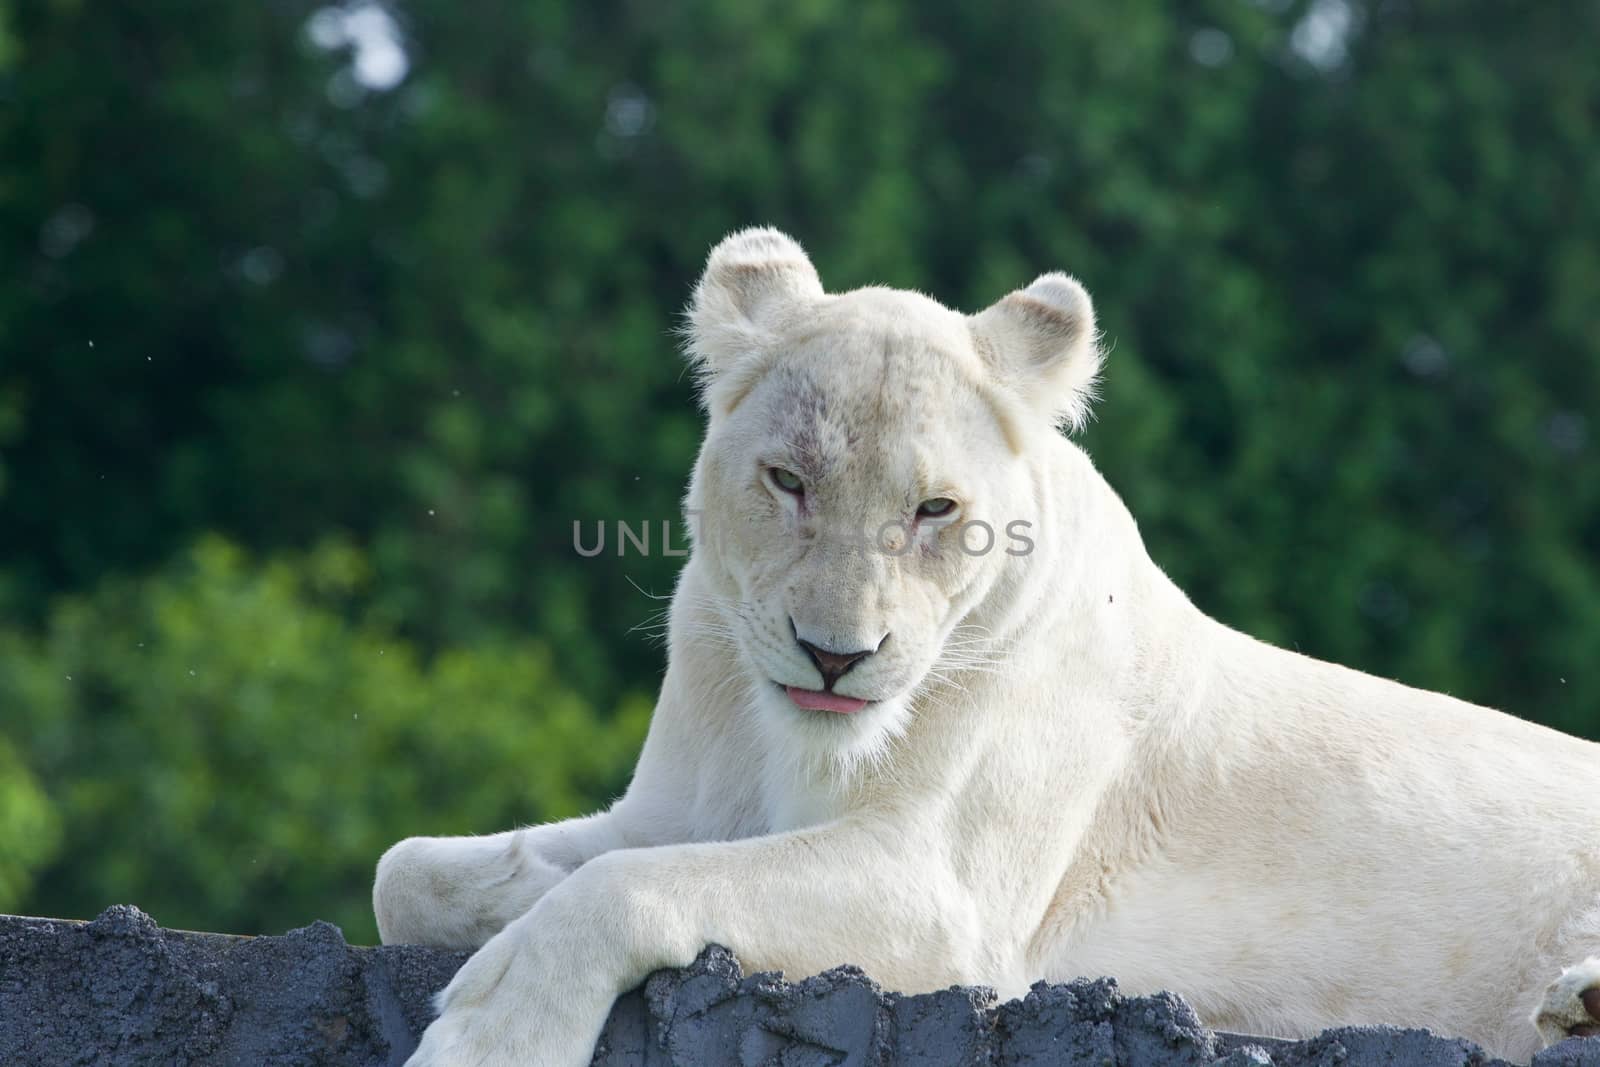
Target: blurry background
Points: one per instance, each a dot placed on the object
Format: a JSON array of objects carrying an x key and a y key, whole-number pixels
[{"x": 319, "y": 326}]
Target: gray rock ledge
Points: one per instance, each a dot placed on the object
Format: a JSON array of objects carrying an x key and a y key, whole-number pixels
[{"x": 121, "y": 990}]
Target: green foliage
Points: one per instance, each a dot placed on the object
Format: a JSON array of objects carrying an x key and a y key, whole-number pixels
[
  {"x": 29, "y": 828},
  {"x": 227, "y": 750},
  {"x": 1347, "y": 270}
]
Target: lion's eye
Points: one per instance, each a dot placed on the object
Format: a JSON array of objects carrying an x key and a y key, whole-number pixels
[
  {"x": 932, "y": 509},
  {"x": 786, "y": 480}
]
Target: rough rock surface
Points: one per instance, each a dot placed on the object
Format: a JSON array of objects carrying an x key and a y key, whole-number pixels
[{"x": 120, "y": 990}]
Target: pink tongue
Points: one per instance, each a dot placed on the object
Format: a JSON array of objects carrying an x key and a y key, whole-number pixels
[{"x": 816, "y": 701}]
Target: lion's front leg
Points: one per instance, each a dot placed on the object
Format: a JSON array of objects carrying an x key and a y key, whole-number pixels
[{"x": 538, "y": 994}]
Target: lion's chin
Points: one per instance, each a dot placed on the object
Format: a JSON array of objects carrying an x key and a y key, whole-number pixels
[{"x": 840, "y": 742}]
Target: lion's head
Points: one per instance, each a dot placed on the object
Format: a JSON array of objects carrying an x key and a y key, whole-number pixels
[{"x": 863, "y": 489}]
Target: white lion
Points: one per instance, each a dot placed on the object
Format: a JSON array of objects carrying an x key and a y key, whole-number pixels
[{"x": 930, "y": 708}]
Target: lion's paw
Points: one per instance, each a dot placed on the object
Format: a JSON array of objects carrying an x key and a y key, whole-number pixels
[
  {"x": 484, "y": 1039},
  {"x": 448, "y": 1041},
  {"x": 1571, "y": 1006},
  {"x": 510, "y": 1006}
]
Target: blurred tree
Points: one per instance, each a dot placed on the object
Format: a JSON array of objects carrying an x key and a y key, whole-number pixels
[
  {"x": 29, "y": 828},
  {"x": 409, "y": 274},
  {"x": 226, "y": 751}
]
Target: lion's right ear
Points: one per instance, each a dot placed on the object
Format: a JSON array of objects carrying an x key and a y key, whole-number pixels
[{"x": 753, "y": 281}]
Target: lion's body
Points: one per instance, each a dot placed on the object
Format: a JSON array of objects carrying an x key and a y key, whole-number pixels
[{"x": 1060, "y": 766}]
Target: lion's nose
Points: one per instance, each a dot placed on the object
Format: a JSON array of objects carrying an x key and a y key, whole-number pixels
[{"x": 833, "y": 665}]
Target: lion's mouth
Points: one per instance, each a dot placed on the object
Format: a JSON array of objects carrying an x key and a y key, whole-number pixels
[{"x": 817, "y": 700}]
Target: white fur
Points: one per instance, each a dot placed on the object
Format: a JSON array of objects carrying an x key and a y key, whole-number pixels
[{"x": 1066, "y": 769}]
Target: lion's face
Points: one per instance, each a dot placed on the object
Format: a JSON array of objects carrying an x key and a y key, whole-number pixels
[{"x": 863, "y": 487}]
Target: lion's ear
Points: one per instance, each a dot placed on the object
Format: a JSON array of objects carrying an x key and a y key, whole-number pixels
[
  {"x": 1040, "y": 342},
  {"x": 753, "y": 280}
]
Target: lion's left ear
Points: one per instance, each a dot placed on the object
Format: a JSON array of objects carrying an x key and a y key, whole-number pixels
[{"x": 1040, "y": 342}]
